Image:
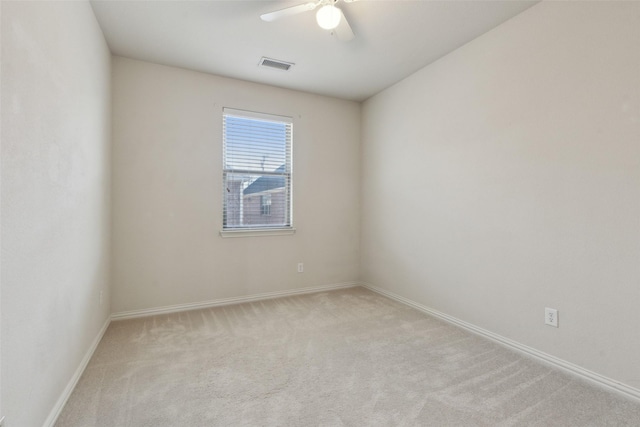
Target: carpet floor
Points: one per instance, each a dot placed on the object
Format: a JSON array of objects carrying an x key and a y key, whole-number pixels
[{"x": 342, "y": 358}]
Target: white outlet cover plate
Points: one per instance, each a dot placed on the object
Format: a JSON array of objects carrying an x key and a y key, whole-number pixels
[{"x": 551, "y": 317}]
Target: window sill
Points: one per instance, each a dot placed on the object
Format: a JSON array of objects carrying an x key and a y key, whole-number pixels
[{"x": 256, "y": 232}]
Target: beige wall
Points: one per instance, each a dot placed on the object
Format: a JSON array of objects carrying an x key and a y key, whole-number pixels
[
  {"x": 55, "y": 200},
  {"x": 506, "y": 177},
  {"x": 167, "y": 179}
]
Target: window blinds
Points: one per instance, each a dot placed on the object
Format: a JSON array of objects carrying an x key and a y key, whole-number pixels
[{"x": 256, "y": 171}]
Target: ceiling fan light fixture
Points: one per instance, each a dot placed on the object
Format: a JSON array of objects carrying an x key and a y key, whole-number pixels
[{"x": 328, "y": 17}]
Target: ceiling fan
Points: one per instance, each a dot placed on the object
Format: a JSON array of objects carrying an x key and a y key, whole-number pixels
[{"x": 329, "y": 16}]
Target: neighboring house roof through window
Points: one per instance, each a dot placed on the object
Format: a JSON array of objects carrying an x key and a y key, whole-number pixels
[{"x": 266, "y": 183}]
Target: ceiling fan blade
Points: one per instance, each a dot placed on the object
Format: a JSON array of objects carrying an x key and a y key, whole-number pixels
[
  {"x": 343, "y": 31},
  {"x": 293, "y": 10}
]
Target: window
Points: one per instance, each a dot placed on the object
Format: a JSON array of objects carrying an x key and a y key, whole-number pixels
[
  {"x": 256, "y": 171},
  {"x": 265, "y": 204}
]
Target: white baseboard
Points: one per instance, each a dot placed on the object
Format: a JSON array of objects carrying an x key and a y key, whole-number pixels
[
  {"x": 569, "y": 367},
  {"x": 57, "y": 409},
  {"x": 227, "y": 301},
  {"x": 576, "y": 370}
]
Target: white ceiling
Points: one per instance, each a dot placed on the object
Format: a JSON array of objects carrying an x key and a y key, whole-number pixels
[{"x": 393, "y": 39}]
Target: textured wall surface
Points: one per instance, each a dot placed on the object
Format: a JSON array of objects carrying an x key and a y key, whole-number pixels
[
  {"x": 505, "y": 178},
  {"x": 167, "y": 183},
  {"x": 55, "y": 199}
]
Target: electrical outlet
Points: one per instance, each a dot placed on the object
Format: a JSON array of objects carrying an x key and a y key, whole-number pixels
[
  {"x": 300, "y": 267},
  {"x": 551, "y": 317}
]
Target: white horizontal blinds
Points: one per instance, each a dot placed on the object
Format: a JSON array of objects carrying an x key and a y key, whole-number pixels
[{"x": 257, "y": 170}]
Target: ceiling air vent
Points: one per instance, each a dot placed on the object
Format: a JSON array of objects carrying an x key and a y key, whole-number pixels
[{"x": 275, "y": 63}]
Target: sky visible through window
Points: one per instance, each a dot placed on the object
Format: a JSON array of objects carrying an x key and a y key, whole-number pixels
[{"x": 255, "y": 145}]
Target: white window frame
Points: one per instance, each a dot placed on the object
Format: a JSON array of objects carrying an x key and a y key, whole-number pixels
[{"x": 260, "y": 230}]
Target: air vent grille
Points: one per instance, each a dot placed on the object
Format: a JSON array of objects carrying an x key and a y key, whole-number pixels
[{"x": 276, "y": 63}]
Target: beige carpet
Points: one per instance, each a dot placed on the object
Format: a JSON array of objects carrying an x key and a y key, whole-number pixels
[{"x": 341, "y": 358}]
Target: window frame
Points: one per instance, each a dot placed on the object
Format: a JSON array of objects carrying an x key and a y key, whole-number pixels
[{"x": 264, "y": 229}]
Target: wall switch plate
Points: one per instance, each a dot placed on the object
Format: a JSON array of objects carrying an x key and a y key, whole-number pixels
[
  {"x": 551, "y": 317},
  {"x": 300, "y": 267}
]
